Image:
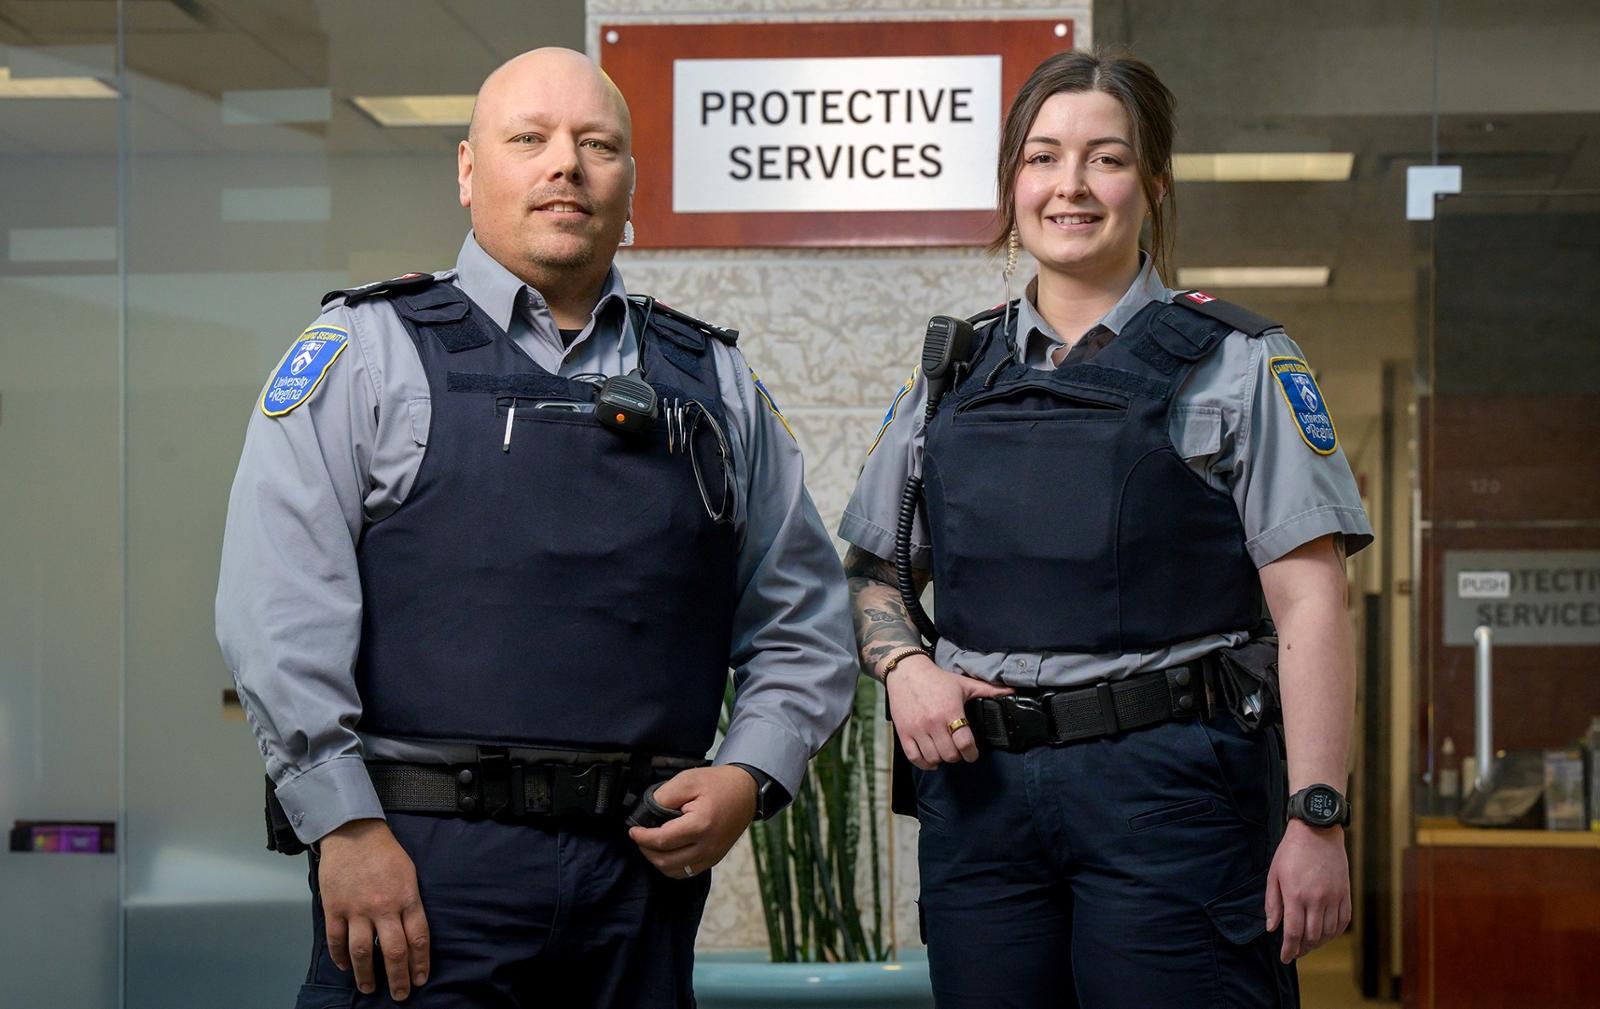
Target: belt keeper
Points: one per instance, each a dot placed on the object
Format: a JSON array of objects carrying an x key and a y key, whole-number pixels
[
  {"x": 1108, "y": 708},
  {"x": 469, "y": 791},
  {"x": 1182, "y": 690}
]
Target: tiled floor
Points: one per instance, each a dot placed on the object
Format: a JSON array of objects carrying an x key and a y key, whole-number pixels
[{"x": 1327, "y": 979}]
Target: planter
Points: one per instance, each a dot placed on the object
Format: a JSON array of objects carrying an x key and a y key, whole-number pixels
[{"x": 748, "y": 980}]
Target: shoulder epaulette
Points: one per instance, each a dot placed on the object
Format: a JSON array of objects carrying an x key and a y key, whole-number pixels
[
  {"x": 654, "y": 307},
  {"x": 404, "y": 282},
  {"x": 989, "y": 315},
  {"x": 1237, "y": 316}
]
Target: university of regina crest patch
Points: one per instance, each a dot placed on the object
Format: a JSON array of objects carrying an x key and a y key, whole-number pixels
[
  {"x": 1310, "y": 411},
  {"x": 303, "y": 369}
]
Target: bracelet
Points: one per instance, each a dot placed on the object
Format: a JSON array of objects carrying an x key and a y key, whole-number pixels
[{"x": 898, "y": 656}]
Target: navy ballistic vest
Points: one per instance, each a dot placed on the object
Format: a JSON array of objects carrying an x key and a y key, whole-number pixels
[
  {"x": 1061, "y": 516},
  {"x": 572, "y": 591}
]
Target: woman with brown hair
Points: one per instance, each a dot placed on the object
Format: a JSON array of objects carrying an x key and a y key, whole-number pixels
[{"x": 1116, "y": 478}]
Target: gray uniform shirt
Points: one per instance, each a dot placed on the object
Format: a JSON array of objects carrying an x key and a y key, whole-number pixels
[
  {"x": 289, "y": 597},
  {"x": 1229, "y": 421}
]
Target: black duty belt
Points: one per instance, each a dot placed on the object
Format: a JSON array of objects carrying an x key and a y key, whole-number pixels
[
  {"x": 498, "y": 787},
  {"x": 1019, "y": 722}
]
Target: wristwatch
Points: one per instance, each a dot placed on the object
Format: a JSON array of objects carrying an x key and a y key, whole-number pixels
[
  {"x": 770, "y": 796},
  {"x": 1320, "y": 806}
]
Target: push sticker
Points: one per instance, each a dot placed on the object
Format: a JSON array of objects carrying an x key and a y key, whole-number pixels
[
  {"x": 888, "y": 417},
  {"x": 1306, "y": 404},
  {"x": 303, "y": 369},
  {"x": 766, "y": 397}
]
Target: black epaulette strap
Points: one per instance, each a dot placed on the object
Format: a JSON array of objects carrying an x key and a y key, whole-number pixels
[
  {"x": 404, "y": 282},
  {"x": 1240, "y": 318},
  {"x": 991, "y": 314},
  {"x": 654, "y": 307}
]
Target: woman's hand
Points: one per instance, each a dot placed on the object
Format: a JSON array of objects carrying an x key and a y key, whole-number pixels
[
  {"x": 924, "y": 700},
  {"x": 1308, "y": 889}
]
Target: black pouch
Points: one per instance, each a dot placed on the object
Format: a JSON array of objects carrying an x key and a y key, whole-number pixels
[
  {"x": 649, "y": 813},
  {"x": 280, "y": 833},
  {"x": 1247, "y": 679},
  {"x": 1248, "y": 682}
]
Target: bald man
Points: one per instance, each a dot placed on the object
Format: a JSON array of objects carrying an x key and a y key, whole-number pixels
[{"x": 497, "y": 537}]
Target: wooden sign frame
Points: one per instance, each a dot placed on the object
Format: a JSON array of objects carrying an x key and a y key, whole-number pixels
[{"x": 639, "y": 58}]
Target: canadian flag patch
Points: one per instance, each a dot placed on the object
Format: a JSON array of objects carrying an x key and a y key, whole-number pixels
[{"x": 1199, "y": 297}]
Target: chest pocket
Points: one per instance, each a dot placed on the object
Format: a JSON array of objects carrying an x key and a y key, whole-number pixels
[{"x": 1197, "y": 433}]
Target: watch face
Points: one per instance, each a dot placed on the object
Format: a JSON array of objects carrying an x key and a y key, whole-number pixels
[{"x": 1322, "y": 805}]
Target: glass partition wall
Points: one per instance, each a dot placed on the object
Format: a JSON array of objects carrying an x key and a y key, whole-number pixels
[{"x": 61, "y": 505}]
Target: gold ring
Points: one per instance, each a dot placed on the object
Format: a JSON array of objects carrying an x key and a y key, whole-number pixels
[
  {"x": 688, "y": 871},
  {"x": 959, "y": 723}
]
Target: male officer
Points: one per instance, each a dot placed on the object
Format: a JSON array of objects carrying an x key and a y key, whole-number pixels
[{"x": 476, "y": 604}]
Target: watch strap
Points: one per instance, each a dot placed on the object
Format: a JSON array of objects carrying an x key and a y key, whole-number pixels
[{"x": 770, "y": 796}]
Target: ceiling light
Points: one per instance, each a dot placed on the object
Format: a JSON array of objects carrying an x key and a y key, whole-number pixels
[
  {"x": 1334, "y": 167},
  {"x": 416, "y": 110},
  {"x": 1253, "y": 276},
  {"x": 53, "y": 87}
]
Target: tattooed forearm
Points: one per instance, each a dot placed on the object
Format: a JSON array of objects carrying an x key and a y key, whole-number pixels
[{"x": 882, "y": 623}]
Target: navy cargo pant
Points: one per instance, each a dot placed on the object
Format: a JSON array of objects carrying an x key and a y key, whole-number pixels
[
  {"x": 1119, "y": 873},
  {"x": 527, "y": 917}
]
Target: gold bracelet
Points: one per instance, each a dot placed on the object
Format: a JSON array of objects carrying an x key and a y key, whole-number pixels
[{"x": 898, "y": 656}]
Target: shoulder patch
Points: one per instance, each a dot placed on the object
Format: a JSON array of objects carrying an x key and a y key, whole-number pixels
[
  {"x": 1237, "y": 316},
  {"x": 303, "y": 369},
  {"x": 894, "y": 407},
  {"x": 766, "y": 397},
  {"x": 1306, "y": 405}
]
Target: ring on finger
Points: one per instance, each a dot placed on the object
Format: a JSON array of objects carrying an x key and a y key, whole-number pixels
[{"x": 958, "y": 724}]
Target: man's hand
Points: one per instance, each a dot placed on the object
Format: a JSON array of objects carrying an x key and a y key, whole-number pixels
[
  {"x": 718, "y": 803},
  {"x": 924, "y": 700},
  {"x": 369, "y": 886},
  {"x": 1308, "y": 888}
]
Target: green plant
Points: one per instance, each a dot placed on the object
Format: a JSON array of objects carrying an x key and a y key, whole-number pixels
[{"x": 808, "y": 856}]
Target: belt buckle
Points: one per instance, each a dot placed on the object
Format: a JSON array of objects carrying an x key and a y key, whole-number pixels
[{"x": 1026, "y": 721}]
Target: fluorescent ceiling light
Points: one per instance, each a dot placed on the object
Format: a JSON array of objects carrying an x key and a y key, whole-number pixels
[
  {"x": 416, "y": 110},
  {"x": 276, "y": 105},
  {"x": 1253, "y": 276},
  {"x": 53, "y": 87},
  {"x": 1333, "y": 167}
]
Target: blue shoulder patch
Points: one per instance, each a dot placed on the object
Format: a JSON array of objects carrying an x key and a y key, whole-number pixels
[
  {"x": 888, "y": 416},
  {"x": 1306, "y": 404},
  {"x": 766, "y": 397},
  {"x": 303, "y": 368}
]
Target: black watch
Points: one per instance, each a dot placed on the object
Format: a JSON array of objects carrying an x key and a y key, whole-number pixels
[
  {"x": 1320, "y": 806},
  {"x": 770, "y": 796}
]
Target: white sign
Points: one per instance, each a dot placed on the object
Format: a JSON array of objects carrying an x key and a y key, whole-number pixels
[
  {"x": 1483, "y": 585},
  {"x": 1528, "y": 597},
  {"x": 835, "y": 134}
]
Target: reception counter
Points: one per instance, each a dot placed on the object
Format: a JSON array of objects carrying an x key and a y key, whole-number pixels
[{"x": 1501, "y": 919}]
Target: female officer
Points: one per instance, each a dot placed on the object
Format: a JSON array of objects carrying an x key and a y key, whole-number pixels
[{"x": 1115, "y": 482}]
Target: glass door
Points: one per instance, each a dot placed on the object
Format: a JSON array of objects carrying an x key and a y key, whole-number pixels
[{"x": 1504, "y": 880}]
